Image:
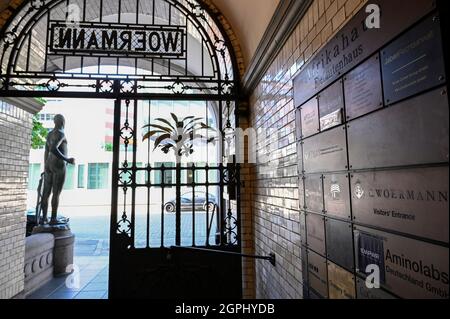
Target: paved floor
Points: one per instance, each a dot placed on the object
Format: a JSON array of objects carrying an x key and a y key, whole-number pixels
[{"x": 90, "y": 279}]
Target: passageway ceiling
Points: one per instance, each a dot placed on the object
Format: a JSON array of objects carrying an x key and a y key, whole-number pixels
[{"x": 249, "y": 20}]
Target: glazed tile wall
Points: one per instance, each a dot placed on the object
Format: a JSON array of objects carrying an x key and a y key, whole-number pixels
[
  {"x": 15, "y": 134},
  {"x": 276, "y": 215}
]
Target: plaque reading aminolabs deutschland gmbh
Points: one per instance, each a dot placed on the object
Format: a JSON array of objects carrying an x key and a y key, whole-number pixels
[
  {"x": 362, "y": 86},
  {"x": 412, "y": 201},
  {"x": 326, "y": 152},
  {"x": 414, "y": 63},
  {"x": 409, "y": 268}
]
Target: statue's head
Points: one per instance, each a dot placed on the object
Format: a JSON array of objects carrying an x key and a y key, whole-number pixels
[{"x": 59, "y": 121}]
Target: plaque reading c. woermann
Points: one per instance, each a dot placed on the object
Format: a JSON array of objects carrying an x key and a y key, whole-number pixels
[{"x": 411, "y": 201}]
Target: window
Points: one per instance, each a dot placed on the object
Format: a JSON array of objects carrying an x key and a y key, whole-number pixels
[
  {"x": 81, "y": 176},
  {"x": 70, "y": 177},
  {"x": 34, "y": 175},
  {"x": 98, "y": 176},
  {"x": 168, "y": 175}
]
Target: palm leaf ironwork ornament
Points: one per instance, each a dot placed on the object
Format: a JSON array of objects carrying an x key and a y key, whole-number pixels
[{"x": 177, "y": 134}]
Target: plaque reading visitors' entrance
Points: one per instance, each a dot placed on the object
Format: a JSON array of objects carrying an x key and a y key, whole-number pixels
[
  {"x": 138, "y": 40},
  {"x": 317, "y": 273},
  {"x": 410, "y": 133},
  {"x": 337, "y": 195},
  {"x": 339, "y": 237},
  {"x": 414, "y": 63},
  {"x": 331, "y": 106},
  {"x": 362, "y": 86},
  {"x": 315, "y": 233},
  {"x": 409, "y": 268},
  {"x": 314, "y": 193},
  {"x": 412, "y": 201},
  {"x": 341, "y": 283},
  {"x": 326, "y": 152},
  {"x": 310, "y": 118}
]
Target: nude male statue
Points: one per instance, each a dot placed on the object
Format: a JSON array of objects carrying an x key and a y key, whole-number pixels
[{"x": 55, "y": 168}]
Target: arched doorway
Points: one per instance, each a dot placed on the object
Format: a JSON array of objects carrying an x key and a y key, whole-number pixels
[{"x": 145, "y": 55}]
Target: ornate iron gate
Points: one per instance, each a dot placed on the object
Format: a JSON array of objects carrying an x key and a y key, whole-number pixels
[{"x": 134, "y": 52}]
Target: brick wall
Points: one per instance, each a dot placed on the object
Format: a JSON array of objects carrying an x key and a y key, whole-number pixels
[
  {"x": 15, "y": 134},
  {"x": 275, "y": 206}
]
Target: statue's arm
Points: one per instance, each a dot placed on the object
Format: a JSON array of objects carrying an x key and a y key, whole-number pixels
[{"x": 55, "y": 151}]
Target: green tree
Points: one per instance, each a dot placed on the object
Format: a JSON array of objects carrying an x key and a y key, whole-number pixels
[{"x": 39, "y": 134}]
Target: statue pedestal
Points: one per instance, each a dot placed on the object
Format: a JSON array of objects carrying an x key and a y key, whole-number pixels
[{"x": 64, "y": 246}]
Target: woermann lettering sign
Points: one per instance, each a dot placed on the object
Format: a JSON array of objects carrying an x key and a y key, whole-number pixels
[{"x": 109, "y": 39}]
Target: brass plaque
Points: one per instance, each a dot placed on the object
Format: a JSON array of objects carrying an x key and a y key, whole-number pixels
[
  {"x": 341, "y": 283},
  {"x": 317, "y": 273},
  {"x": 331, "y": 106},
  {"x": 314, "y": 193},
  {"x": 408, "y": 268},
  {"x": 315, "y": 233},
  {"x": 410, "y": 133},
  {"x": 413, "y": 201},
  {"x": 354, "y": 43},
  {"x": 339, "y": 237},
  {"x": 362, "y": 292},
  {"x": 326, "y": 152},
  {"x": 310, "y": 118},
  {"x": 362, "y": 86},
  {"x": 337, "y": 195},
  {"x": 414, "y": 63}
]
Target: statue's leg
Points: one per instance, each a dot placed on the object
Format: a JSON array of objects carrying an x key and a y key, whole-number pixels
[
  {"x": 58, "y": 184},
  {"x": 48, "y": 185}
]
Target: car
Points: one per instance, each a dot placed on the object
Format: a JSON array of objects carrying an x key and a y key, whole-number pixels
[{"x": 186, "y": 202}]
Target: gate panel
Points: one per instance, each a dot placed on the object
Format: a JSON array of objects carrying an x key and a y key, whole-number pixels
[{"x": 163, "y": 204}]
